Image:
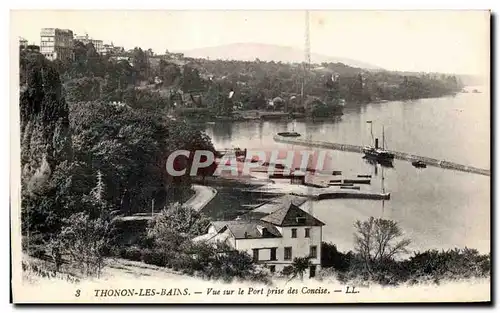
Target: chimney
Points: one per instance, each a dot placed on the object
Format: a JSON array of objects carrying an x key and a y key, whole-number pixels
[{"x": 376, "y": 143}]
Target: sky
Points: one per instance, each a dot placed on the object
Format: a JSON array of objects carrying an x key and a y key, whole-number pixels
[{"x": 427, "y": 41}]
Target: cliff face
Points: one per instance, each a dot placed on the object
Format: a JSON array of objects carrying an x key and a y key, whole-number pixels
[{"x": 45, "y": 136}]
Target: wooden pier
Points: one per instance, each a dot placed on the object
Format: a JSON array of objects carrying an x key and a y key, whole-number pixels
[{"x": 397, "y": 155}]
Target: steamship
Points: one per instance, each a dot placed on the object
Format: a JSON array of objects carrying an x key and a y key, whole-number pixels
[{"x": 377, "y": 153}]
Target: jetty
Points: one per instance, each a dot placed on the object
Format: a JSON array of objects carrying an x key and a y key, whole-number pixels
[
  {"x": 397, "y": 155},
  {"x": 357, "y": 181},
  {"x": 315, "y": 193}
]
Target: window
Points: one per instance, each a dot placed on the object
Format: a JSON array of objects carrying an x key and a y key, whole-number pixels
[
  {"x": 313, "y": 252},
  {"x": 288, "y": 253},
  {"x": 294, "y": 232},
  {"x": 301, "y": 220},
  {"x": 273, "y": 254},
  {"x": 272, "y": 268},
  {"x": 255, "y": 255},
  {"x": 308, "y": 233}
]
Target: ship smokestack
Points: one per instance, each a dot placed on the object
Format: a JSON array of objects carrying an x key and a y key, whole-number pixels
[{"x": 376, "y": 143}]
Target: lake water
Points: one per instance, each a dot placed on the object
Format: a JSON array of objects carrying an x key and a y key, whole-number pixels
[{"x": 437, "y": 208}]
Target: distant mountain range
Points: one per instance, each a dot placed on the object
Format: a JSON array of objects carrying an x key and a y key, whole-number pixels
[{"x": 268, "y": 52}]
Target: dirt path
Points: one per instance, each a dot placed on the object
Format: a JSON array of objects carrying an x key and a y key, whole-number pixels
[{"x": 203, "y": 195}]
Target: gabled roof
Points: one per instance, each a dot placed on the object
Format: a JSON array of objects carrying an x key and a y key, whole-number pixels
[
  {"x": 272, "y": 206},
  {"x": 291, "y": 215},
  {"x": 248, "y": 229}
]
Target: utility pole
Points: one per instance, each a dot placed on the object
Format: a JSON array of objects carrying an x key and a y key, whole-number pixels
[
  {"x": 307, "y": 46},
  {"x": 152, "y": 206},
  {"x": 307, "y": 58}
]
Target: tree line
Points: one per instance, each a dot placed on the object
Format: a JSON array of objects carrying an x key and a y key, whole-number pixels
[{"x": 147, "y": 81}]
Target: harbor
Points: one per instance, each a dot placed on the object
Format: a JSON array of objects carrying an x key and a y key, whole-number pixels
[
  {"x": 397, "y": 155},
  {"x": 432, "y": 202}
]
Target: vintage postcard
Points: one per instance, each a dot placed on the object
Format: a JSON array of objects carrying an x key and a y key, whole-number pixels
[{"x": 250, "y": 156}]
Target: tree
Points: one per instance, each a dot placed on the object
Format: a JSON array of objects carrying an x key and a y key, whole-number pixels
[
  {"x": 131, "y": 147},
  {"x": 332, "y": 257},
  {"x": 180, "y": 219},
  {"x": 170, "y": 72},
  {"x": 45, "y": 142},
  {"x": 87, "y": 241},
  {"x": 141, "y": 64},
  {"x": 220, "y": 261},
  {"x": 191, "y": 80},
  {"x": 299, "y": 266},
  {"x": 83, "y": 89},
  {"x": 378, "y": 240}
]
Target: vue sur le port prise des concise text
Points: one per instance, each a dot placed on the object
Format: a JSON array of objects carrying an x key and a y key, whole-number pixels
[{"x": 247, "y": 291}]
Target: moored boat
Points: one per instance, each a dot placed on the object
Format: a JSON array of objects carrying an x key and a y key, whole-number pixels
[
  {"x": 419, "y": 164},
  {"x": 377, "y": 153},
  {"x": 289, "y": 134}
]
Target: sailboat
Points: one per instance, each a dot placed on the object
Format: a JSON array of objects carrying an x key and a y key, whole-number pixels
[{"x": 375, "y": 152}]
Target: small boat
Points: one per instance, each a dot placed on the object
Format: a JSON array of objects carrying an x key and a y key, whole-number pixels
[
  {"x": 289, "y": 134},
  {"x": 336, "y": 173},
  {"x": 419, "y": 164},
  {"x": 293, "y": 133},
  {"x": 340, "y": 184},
  {"x": 475, "y": 91},
  {"x": 365, "y": 176},
  {"x": 357, "y": 181},
  {"x": 350, "y": 187}
]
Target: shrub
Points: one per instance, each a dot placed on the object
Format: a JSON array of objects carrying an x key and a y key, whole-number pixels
[
  {"x": 37, "y": 252},
  {"x": 132, "y": 253},
  {"x": 287, "y": 270},
  {"x": 86, "y": 240},
  {"x": 180, "y": 262},
  {"x": 36, "y": 239},
  {"x": 153, "y": 257},
  {"x": 457, "y": 263},
  {"x": 331, "y": 257}
]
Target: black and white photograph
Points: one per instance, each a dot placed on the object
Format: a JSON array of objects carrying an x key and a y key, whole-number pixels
[{"x": 250, "y": 156}]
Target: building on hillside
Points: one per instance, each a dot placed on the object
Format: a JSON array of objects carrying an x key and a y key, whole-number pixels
[
  {"x": 98, "y": 44},
  {"x": 25, "y": 46},
  {"x": 107, "y": 49},
  {"x": 56, "y": 44},
  {"x": 32, "y": 48},
  {"x": 23, "y": 43},
  {"x": 111, "y": 49},
  {"x": 118, "y": 58},
  {"x": 174, "y": 56},
  {"x": 272, "y": 238}
]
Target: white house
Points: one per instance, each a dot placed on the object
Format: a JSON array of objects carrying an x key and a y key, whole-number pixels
[{"x": 272, "y": 238}]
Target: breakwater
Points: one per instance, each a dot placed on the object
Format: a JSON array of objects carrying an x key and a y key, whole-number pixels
[{"x": 397, "y": 154}]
